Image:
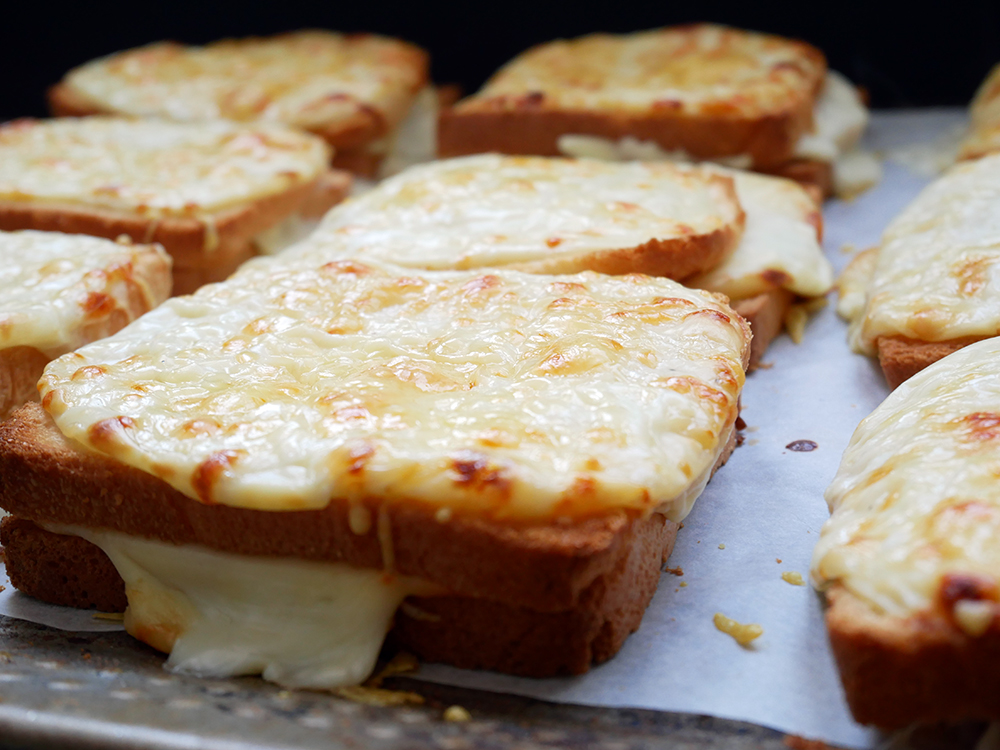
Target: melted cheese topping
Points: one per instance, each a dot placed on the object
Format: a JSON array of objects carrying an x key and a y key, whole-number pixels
[
  {"x": 780, "y": 245},
  {"x": 984, "y": 131},
  {"x": 308, "y": 79},
  {"x": 492, "y": 210},
  {"x": 502, "y": 393},
  {"x": 298, "y": 623},
  {"x": 150, "y": 167},
  {"x": 939, "y": 263},
  {"x": 699, "y": 69},
  {"x": 53, "y": 286},
  {"x": 852, "y": 285},
  {"x": 839, "y": 120},
  {"x": 915, "y": 501}
]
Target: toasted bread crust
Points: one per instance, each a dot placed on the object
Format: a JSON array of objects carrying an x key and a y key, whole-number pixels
[
  {"x": 815, "y": 176},
  {"x": 677, "y": 258},
  {"x": 901, "y": 358},
  {"x": 544, "y": 566},
  {"x": 463, "y": 631},
  {"x": 65, "y": 102},
  {"x": 20, "y": 369},
  {"x": 897, "y": 671},
  {"x": 189, "y": 241},
  {"x": 769, "y": 139},
  {"x": 766, "y": 315}
]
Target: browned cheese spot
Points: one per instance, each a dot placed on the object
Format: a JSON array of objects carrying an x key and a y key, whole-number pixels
[
  {"x": 358, "y": 456},
  {"x": 530, "y": 100},
  {"x": 477, "y": 472},
  {"x": 686, "y": 384},
  {"x": 480, "y": 284},
  {"x": 956, "y": 587},
  {"x": 98, "y": 304},
  {"x": 554, "y": 241},
  {"x": 972, "y": 275},
  {"x": 346, "y": 267},
  {"x": 565, "y": 287},
  {"x": 717, "y": 314},
  {"x": 980, "y": 427},
  {"x": 775, "y": 277},
  {"x": 200, "y": 427},
  {"x": 104, "y": 435},
  {"x": 89, "y": 372},
  {"x": 207, "y": 474},
  {"x": 668, "y": 105}
]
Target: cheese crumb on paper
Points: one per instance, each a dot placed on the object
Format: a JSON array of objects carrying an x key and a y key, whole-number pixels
[{"x": 742, "y": 634}]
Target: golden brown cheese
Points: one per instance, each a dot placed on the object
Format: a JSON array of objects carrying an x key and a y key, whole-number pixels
[
  {"x": 500, "y": 393},
  {"x": 307, "y": 79},
  {"x": 54, "y": 287},
  {"x": 935, "y": 274},
  {"x": 151, "y": 167},
  {"x": 698, "y": 69},
  {"x": 915, "y": 504}
]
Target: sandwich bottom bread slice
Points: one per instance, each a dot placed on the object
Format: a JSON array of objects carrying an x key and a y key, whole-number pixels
[
  {"x": 281, "y": 465},
  {"x": 927, "y": 290},
  {"x": 910, "y": 558},
  {"x": 59, "y": 292}
]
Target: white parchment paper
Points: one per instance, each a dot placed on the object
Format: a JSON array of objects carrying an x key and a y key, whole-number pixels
[{"x": 766, "y": 507}]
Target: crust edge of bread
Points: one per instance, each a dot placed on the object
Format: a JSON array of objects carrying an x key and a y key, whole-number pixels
[
  {"x": 897, "y": 671},
  {"x": 901, "y": 358}
]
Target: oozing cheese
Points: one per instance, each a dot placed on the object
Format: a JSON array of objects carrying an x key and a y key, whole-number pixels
[
  {"x": 150, "y": 167},
  {"x": 780, "y": 244},
  {"x": 309, "y": 79},
  {"x": 984, "y": 132},
  {"x": 499, "y": 393},
  {"x": 298, "y": 623},
  {"x": 691, "y": 69},
  {"x": 852, "y": 285},
  {"x": 415, "y": 140},
  {"x": 915, "y": 502},
  {"x": 493, "y": 210},
  {"x": 839, "y": 120},
  {"x": 939, "y": 263},
  {"x": 54, "y": 286}
]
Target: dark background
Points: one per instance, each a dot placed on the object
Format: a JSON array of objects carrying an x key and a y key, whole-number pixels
[{"x": 903, "y": 55}]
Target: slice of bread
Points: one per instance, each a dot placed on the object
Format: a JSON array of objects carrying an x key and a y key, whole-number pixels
[
  {"x": 203, "y": 191},
  {"x": 59, "y": 292},
  {"x": 929, "y": 289},
  {"x": 440, "y": 427},
  {"x": 983, "y": 136},
  {"x": 542, "y": 216},
  {"x": 352, "y": 90},
  {"x": 910, "y": 559},
  {"x": 709, "y": 90}
]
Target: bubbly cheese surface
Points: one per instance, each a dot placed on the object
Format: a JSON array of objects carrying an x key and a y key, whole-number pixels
[
  {"x": 691, "y": 69},
  {"x": 496, "y": 392},
  {"x": 984, "y": 131},
  {"x": 54, "y": 287},
  {"x": 493, "y": 210},
  {"x": 298, "y": 623},
  {"x": 938, "y": 264},
  {"x": 308, "y": 79},
  {"x": 151, "y": 167},
  {"x": 915, "y": 504}
]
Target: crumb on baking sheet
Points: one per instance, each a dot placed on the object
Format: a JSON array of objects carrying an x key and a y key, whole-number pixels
[
  {"x": 678, "y": 571},
  {"x": 848, "y": 249},
  {"x": 722, "y": 546},
  {"x": 793, "y": 577},
  {"x": 456, "y": 713},
  {"x": 778, "y": 560},
  {"x": 371, "y": 693},
  {"x": 742, "y": 634},
  {"x": 683, "y": 584},
  {"x": 802, "y": 446}
]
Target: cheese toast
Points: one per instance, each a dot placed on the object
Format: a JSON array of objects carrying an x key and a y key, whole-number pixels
[
  {"x": 203, "y": 191},
  {"x": 353, "y": 90},
  {"x": 59, "y": 292},
  {"x": 909, "y": 559},
  {"x": 381, "y": 433},
  {"x": 701, "y": 92},
  {"x": 983, "y": 136},
  {"x": 751, "y": 237},
  {"x": 928, "y": 289}
]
